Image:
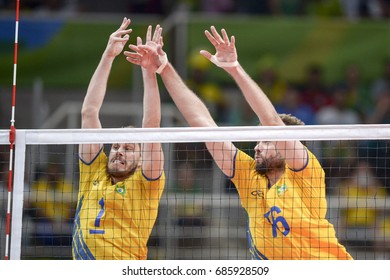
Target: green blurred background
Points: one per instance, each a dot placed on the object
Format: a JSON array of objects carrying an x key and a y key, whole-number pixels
[{"x": 69, "y": 58}]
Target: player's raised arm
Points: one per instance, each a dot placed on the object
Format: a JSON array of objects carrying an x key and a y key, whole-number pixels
[
  {"x": 226, "y": 58},
  {"x": 152, "y": 154},
  {"x": 97, "y": 87},
  {"x": 192, "y": 108}
]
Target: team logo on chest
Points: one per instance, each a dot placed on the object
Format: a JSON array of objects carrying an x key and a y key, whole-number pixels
[
  {"x": 120, "y": 188},
  {"x": 281, "y": 189}
]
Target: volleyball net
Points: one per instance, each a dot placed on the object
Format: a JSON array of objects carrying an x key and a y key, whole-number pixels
[{"x": 200, "y": 215}]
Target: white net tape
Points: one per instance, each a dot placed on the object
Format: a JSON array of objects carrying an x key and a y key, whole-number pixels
[{"x": 206, "y": 221}]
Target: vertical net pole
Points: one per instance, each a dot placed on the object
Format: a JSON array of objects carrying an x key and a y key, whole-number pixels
[{"x": 12, "y": 135}]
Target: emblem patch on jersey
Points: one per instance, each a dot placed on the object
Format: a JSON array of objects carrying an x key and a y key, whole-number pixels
[
  {"x": 258, "y": 193},
  {"x": 281, "y": 189},
  {"x": 121, "y": 189}
]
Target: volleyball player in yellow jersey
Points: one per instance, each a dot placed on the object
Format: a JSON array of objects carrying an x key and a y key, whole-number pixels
[
  {"x": 119, "y": 196},
  {"x": 282, "y": 188}
]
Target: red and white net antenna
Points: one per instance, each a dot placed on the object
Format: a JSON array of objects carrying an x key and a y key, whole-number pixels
[{"x": 12, "y": 137}]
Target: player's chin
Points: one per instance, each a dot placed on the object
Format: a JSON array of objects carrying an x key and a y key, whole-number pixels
[
  {"x": 116, "y": 168},
  {"x": 259, "y": 160}
]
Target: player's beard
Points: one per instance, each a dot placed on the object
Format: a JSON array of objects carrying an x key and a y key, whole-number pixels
[
  {"x": 120, "y": 174},
  {"x": 270, "y": 164}
]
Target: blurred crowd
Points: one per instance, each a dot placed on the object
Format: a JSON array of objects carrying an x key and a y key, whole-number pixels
[
  {"x": 351, "y": 100},
  {"x": 352, "y": 9}
]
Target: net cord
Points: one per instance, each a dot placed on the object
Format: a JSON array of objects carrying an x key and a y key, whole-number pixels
[
  {"x": 26, "y": 137},
  {"x": 206, "y": 134}
]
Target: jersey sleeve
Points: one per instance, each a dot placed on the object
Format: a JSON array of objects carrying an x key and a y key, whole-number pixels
[
  {"x": 92, "y": 171},
  {"x": 313, "y": 187},
  {"x": 153, "y": 189}
]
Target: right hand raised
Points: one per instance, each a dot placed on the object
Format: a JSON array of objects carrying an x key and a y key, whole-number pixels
[
  {"x": 118, "y": 39},
  {"x": 226, "y": 53}
]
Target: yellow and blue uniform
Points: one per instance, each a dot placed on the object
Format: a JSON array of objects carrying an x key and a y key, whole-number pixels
[
  {"x": 287, "y": 220},
  {"x": 114, "y": 221}
]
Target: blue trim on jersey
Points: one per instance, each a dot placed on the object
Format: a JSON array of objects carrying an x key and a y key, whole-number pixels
[
  {"x": 82, "y": 252},
  {"x": 234, "y": 165},
  {"x": 307, "y": 162},
  {"x": 151, "y": 180},
  {"x": 255, "y": 253},
  {"x": 95, "y": 157}
]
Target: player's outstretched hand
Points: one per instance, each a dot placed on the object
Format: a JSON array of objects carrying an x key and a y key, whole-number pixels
[
  {"x": 118, "y": 39},
  {"x": 226, "y": 53},
  {"x": 149, "y": 55}
]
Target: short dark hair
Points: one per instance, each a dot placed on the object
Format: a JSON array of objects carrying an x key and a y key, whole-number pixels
[{"x": 289, "y": 119}]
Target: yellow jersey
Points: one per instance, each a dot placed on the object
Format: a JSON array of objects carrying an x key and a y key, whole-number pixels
[
  {"x": 287, "y": 220},
  {"x": 114, "y": 221}
]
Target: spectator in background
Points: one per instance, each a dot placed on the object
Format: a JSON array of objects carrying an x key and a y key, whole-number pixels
[
  {"x": 269, "y": 79},
  {"x": 42, "y": 6},
  {"x": 338, "y": 111},
  {"x": 291, "y": 103},
  {"x": 385, "y": 7},
  {"x": 382, "y": 84},
  {"x": 336, "y": 155},
  {"x": 381, "y": 111},
  {"x": 380, "y": 91},
  {"x": 265, "y": 7},
  {"x": 147, "y": 6},
  {"x": 364, "y": 218},
  {"x": 186, "y": 181},
  {"x": 357, "y": 9},
  {"x": 377, "y": 151},
  {"x": 351, "y": 9},
  {"x": 358, "y": 95},
  {"x": 53, "y": 201},
  {"x": 210, "y": 92},
  {"x": 314, "y": 91},
  {"x": 362, "y": 183},
  {"x": 217, "y": 6},
  {"x": 189, "y": 213},
  {"x": 289, "y": 7}
]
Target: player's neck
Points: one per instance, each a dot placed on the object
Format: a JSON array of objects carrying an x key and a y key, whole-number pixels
[
  {"x": 274, "y": 176},
  {"x": 115, "y": 180}
]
